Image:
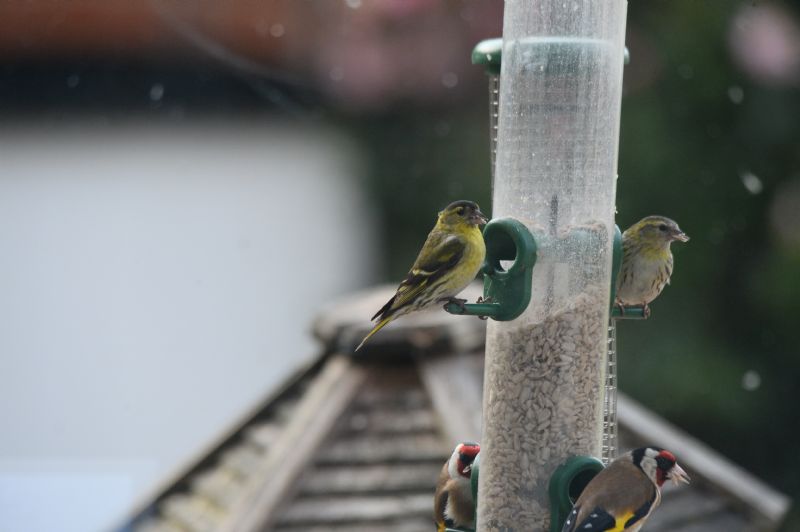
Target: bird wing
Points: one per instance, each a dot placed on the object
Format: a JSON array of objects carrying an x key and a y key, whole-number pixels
[
  {"x": 640, "y": 513},
  {"x": 439, "y": 255},
  {"x": 440, "y": 499},
  {"x": 600, "y": 520},
  {"x": 597, "y": 520}
]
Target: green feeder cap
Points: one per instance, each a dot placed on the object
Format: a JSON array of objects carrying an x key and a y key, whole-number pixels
[{"x": 488, "y": 53}]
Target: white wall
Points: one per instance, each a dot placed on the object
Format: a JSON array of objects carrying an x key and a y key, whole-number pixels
[{"x": 155, "y": 282}]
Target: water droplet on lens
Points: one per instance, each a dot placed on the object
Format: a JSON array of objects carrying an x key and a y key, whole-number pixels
[
  {"x": 751, "y": 380},
  {"x": 751, "y": 182},
  {"x": 736, "y": 94},
  {"x": 156, "y": 92}
]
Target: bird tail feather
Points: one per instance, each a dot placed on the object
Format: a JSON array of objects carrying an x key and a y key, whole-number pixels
[
  {"x": 378, "y": 326},
  {"x": 385, "y": 309}
]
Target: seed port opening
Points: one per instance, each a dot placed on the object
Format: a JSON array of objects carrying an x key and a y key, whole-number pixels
[{"x": 579, "y": 483}]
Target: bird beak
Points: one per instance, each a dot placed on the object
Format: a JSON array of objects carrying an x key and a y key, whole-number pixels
[
  {"x": 680, "y": 235},
  {"x": 678, "y": 475},
  {"x": 467, "y": 468},
  {"x": 478, "y": 218}
]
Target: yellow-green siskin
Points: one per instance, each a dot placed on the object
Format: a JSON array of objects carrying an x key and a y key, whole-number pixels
[
  {"x": 448, "y": 261},
  {"x": 646, "y": 260}
]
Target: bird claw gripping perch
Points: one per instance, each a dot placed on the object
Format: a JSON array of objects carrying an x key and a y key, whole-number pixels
[
  {"x": 621, "y": 312},
  {"x": 482, "y": 300},
  {"x": 506, "y": 292},
  {"x": 458, "y": 302}
]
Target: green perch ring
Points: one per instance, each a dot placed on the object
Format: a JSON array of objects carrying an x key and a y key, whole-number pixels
[
  {"x": 566, "y": 485},
  {"x": 506, "y": 292}
]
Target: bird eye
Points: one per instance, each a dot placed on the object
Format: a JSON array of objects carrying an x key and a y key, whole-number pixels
[
  {"x": 460, "y": 211},
  {"x": 662, "y": 228}
]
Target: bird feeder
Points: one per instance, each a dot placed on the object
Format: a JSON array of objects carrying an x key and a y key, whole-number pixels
[{"x": 558, "y": 124}]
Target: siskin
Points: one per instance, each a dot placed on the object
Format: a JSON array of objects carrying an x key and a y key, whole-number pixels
[
  {"x": 448, "y": 261},
  {"x": 646, "y": 260}
]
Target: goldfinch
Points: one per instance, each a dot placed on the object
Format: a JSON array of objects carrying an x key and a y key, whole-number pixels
[
  {"x": 646, "y": 260},
  {"x": 453, "y": 504},
  {"x": 448, "y": 261},
  {"x": 623, "y": 495}
]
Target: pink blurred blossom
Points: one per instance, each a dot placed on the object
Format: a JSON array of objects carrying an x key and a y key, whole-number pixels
[
  {"x": 765, "y": 42},
  {"x": 369, "y": 54}
]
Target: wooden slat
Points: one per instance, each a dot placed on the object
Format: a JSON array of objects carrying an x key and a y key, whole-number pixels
[
  {"x": 339, "y": 510},
  {"x": 374, "y": 450},
  {"x": 263, "y": 434},
  {"x": 698, "y": 459},
  {"x": 159, "y": 525},
  {"x": 403, "y": 524},
  {"x": 243, "y": 460},
  {"x": 721, "y": 521},
  {"x": 378, "y": 479},
  {"x": 342, "y": 324},
  {"x": 389, "y": 397},
  {"x": 328, "y": 395},
  {"x": 176, "y": 480},
  {"x": 220, "y": 485},
  {"x": 193, "y": 512},
  {"x": 686, "y": 504},
  {"x": 454, "y": 384},
  {"x": 387, "y": 422}
]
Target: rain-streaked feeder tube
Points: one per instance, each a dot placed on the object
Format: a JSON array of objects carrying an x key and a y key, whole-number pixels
[
  {"x": 545, "y": 382},
  {"x": 610, "y": 445},
  {"x": 494, "y": 110},
  {"x": 488, "y": 53}
]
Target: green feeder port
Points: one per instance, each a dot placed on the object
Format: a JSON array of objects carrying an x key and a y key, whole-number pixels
[
  {"x": 488, "y": 54},
  {"x": 506, "y": 293},
  {"x": 566, "y": 485}
]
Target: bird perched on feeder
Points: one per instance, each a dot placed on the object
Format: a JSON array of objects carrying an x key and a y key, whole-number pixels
[
  {"x": 624, "y": 495},
  {"x": 453, "y": 504},
  {"x": 448, "y": 261},
  {"x": 646, "y": 260}
]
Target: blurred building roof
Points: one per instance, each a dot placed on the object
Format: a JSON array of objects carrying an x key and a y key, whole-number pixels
[
  {"x": 357, "y": 443},
  {"x": 118, "y": 27}
]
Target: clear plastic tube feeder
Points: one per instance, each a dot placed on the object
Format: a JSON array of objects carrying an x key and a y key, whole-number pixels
[{"x": 560, "y": 92}]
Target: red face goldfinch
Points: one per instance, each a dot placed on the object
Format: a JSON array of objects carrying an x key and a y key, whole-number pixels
[
  {"x": 453, "y": 504},
  {"x": 623, "y": 495}
]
